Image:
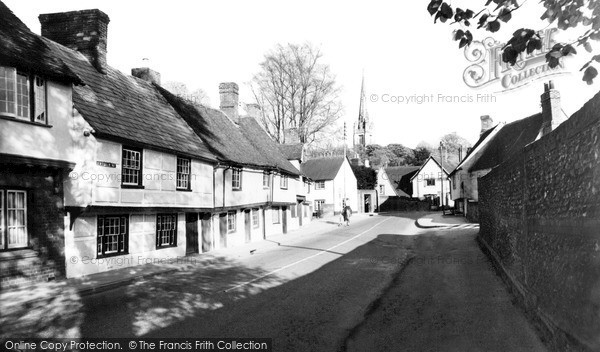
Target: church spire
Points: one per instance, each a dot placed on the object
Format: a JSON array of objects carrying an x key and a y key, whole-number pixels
[{"x": 362, "y": 127}]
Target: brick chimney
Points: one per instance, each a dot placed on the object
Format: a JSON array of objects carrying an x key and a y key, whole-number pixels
[
  {"x": 551, "y": 112},
  {"x": 229, "y": 94},
  {"x": 486, "y": 124},
  {"x": 147, "y": 74},
  {"x": 85, "y": 31}
]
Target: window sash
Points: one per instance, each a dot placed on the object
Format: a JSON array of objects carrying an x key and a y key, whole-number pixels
[
  {"x": 23, "y": 98},
  {"x": 184, "y": 171},
  {"x": 231, "y": 221},
  {"x": 166, "y": 230},
  {"x": 266, "y": 180},
  {"x": 112, "y": 235},
  {"x": 16, "y": 219},
  {"x": 132, "y": 167},
  {"x": 320, "y": 185},
  {"x": 8, "y": 90},
  {"x": 39, "y": 94},
  {"x": 2, "y": 229},
  {"x": 255, "y": 218},
  {"x": 283, "y": 182},
  {"x": 381, "y": 189},
  {"x": 236, "y": 179}
]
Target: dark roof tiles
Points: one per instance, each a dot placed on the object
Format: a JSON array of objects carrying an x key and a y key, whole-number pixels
[{"x": 322, "y": 169}]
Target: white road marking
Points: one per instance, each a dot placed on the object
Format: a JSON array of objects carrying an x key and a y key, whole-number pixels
[{"x": 305, "y": 259}]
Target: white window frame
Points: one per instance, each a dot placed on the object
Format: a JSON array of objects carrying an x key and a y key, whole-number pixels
[
  {"x": 319, "y": 185},
  {"x": 381, "y": 189},
  {"x": 122, "y": 235},
  {"x": 255, "y": 218},
  {"x": 166, "y": 230},
  {"x": 184, "y": 174},
  {"x": 7, "y": 244},
  {"x": 430, "y": 182},
  {"x": 266, "y": 180},
  {"x": 139, "y": 168},
  {"x": 231, "y": 221},
  {"x": 236, "y": 182},
  {"x": 36, "y": 96},
  {"x": 283, "y": 182}
]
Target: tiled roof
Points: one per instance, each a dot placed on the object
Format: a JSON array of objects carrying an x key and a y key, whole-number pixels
[
  {"x": 129, "y": 109},
  {"x": 229, "y": 142},
  {"x": 26, "y": 51},
  {"x": 267, "y": 147},
  {"x": 399, "y": 177},
  {"x": 322, "y": 169},
  {"x": 509, "y": 141},
  {"x": 292, "y": 151}
]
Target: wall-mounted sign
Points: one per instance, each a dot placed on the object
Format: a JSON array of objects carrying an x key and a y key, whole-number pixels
[
  {"x": 487, "y": 67},
  {"x": 106, "y": 164}
]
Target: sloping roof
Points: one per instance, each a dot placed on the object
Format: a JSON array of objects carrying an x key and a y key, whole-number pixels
[
  {"x": 437, "y": 161},
  {"x": 26, "y": 51},
  {"x": 229, "y": 142},
  {"x": 322, "y": 169},
  {"x": 292, "y": 151},
  {"x": 128, "y": 108},
  {"x": 509, "y": 141},
  {"x": 399, "y": 177},
  {"x": 267, "y": 147},
  {"x": 481, "y": 139}
]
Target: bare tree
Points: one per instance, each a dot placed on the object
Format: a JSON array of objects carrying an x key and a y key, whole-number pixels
[
  {"x": 180, "y": 89},
  {"x": 296, "y": 90}
]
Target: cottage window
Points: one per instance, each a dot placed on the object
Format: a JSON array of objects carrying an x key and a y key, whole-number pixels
[
  {"x": 381, "y": 189},
  {"x": 236, "y": 179},
  {"x": 430, "y": 181},
  {"x": 184, "y": 171},
  {"x": 320, "y": 185},
  {"x": 319, "y": 204},
  {"x": 13, "y": 219},
  {"x": 22, "y": 96},
  {"x": 113, "y": 235},
  {"x": 132, "y": 167},
  {"x": 283, "y": 182},
  {"x": 231, "y": 221},
  {"x": 255, "y": 218},
  {"x": 166, "y": 230},
  {"x": 275, "y": 215},
  {"x": 266, "y": 180}
]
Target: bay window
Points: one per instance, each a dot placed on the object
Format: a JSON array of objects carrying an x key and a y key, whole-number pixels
[{"x": 22, "y": 96}]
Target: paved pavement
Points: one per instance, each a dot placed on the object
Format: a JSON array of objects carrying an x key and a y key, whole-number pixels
[{"x": 381, "y": 284}]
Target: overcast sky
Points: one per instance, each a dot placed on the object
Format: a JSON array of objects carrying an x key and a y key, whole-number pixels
[{"x": 402, "y": 53}]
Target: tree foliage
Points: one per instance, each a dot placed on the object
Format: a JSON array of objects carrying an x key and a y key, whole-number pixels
[
  {"x": 565, "y": 14},
  {"x": 180, "y": 89},
  {"x": 296, "y": 89},
  {"x": 366, "y": 177}
]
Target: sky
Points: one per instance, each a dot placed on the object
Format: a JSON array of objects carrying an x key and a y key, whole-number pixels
[{"x": 402, "y": 53}]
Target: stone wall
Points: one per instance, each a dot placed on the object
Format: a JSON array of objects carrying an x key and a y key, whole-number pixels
[{"x": 540, "y": 221}]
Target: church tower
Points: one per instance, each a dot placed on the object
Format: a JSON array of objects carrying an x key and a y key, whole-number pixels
[{"x": 362, "y": 128}]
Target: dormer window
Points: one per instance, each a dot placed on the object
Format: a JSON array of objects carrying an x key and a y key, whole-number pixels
[{"x": 22, "y": 96}]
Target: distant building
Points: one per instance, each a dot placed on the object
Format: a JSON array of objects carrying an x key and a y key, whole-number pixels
[
  {"x": 333, "y": 184},
  {"x": 363, "y": 127}
]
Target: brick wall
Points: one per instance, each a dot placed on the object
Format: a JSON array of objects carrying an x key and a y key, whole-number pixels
[
  {"x": 44, "y": 260},
  {"x": 540, "y": 219}
]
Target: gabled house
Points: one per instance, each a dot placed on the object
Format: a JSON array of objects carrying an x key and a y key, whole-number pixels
[
  {"x": 396, "y": 181},
  {"x": 36, "y": 153},
  {"x": 153, "y": 176},
  {"x": 334, "y": 184},
  {"x": 430, "y": 182},
  {"x": 499, "y": 143}
]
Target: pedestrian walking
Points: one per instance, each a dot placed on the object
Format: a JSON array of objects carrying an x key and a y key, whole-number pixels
[{"x": 347, "y": 213}]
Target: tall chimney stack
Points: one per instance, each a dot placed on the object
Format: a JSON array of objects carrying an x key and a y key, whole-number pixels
[
  {"x": 85, "y": 31},
  {"x": 551, "y": 112},
  {"x": 229, "y": 94},
  {"x": 486, "y": 124}
]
